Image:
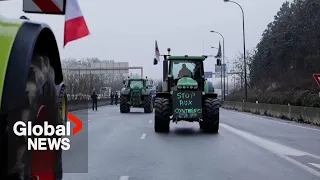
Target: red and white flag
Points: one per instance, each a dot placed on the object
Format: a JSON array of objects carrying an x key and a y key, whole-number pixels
[
  {"x": 157, "y": 52},
  {"x": 75, "y": 26}
]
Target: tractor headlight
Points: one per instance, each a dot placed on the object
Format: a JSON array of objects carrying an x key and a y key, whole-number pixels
[{"x": 187, "y": 87}]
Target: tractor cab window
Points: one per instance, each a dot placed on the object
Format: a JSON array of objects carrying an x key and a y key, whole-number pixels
[
  {"x": 133, "y": 84},
  {"x": 184, "y": 68}
]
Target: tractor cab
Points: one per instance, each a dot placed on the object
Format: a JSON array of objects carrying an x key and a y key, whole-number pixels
[
  {"x": 136, "y": 83},
  {"x": 139, "y": 83},
  {"x": 186, "y": 72}
]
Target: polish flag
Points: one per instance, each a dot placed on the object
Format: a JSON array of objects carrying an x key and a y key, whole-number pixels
[{"x": 75, "y": 26}]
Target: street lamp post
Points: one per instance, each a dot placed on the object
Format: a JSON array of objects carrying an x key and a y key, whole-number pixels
[
  {"x": 222, "y": 70},
  {"x": 221, "y": 80},
  {"x": 244, "y": 49},
  {"x": 226, "y": 70}
]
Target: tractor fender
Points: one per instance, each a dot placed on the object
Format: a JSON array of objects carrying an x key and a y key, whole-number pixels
[
  {"x": 210, "y": 95},
  {"x": 145, "y": 93},
  {"x": 124, "y": 92},
  {"x": 208, "y": 87},
  {"x": 8, "y": 32},
  {"x": 31, "y": 38},
  {"x": 163, "y": 94}
]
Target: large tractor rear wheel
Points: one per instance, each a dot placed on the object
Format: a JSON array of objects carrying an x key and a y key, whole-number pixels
[
  {"x": 147, "y": 104},
  {"x": 40, "y": 104},
  {"x": 162, "y": 115},
  {"x": 124, "y": 106},
  {"x": 210, "y": 115}
]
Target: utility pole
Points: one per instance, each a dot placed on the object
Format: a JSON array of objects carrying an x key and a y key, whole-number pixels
[
  {"x": 223, "y": 67},
  {"x": 244, "y": 49}
]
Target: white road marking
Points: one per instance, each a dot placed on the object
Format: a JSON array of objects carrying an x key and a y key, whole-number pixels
[
  {"x": 315, "y": 165},
  {"x": 289, "y": 124},
  {"x": 278, "y": 149},
  {"x": 81, "y": 110},
  {"x": 143, "y": 136},
  {"x": 150, "y": 121},
  {"x": 124, "y": 178},
  {"x": 86, "y": 121}
]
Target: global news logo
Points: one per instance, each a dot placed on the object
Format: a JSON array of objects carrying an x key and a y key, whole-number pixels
[{"x": 46, "y": 136}]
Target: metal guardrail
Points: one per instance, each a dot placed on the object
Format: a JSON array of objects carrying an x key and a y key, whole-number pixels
[{"x": 75, "y": 105}]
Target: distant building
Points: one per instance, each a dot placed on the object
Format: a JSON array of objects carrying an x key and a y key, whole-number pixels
[{"x": 89, "y": 68}]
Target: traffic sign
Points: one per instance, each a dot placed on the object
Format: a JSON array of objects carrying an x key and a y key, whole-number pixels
[
  {"x": 208, "y": 74},
  {"x": 317, "y": 78},
  {"x": 44, "y": 6},
  {"x": 218, "y": 70}
]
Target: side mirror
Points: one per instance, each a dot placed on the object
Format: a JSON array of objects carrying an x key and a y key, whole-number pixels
[
  {"x": 123, "y": 82},
  {"x": 155, "y": 61}
]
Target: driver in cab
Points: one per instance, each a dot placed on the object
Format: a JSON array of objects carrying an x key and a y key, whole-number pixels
[{"x": 184, "y": 71}]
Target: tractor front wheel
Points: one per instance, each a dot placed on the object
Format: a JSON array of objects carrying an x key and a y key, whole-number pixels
[
  {"x": 162, "y": 115},
  {"x": 40, "y": 105},
  {"x": 210, "y": 111},
  {"x": 124, "y": 107},
  {"x": 147, "y": 104}
]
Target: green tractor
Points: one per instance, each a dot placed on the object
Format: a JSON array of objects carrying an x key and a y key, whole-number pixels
[
  {"x": 185, "y": 94},
  {"x": 31, "y": 90},
  {"x": 136, "y": 94}
]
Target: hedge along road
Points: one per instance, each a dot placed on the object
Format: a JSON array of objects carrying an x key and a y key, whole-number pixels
[{"x": 247, "y": 147}]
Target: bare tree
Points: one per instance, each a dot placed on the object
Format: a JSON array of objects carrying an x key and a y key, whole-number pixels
[
  {"x": 238, "y": 79},
  {"x": 82, "y": 84}
]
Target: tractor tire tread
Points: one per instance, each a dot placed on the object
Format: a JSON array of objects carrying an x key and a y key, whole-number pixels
[
  {"x": 162, "y": 115},
  {"x": 210, "y": 116},
  {"x": 147, "y": 104},
  {"x": 40, "y": 90},
  {"x": 124, "y": 107}
]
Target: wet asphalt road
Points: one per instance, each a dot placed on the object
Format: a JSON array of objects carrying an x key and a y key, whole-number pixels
[{"x": 247, "y": 147}]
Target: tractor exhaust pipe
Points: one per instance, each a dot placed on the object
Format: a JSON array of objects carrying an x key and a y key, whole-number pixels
[{"x": 165, "y": 66}]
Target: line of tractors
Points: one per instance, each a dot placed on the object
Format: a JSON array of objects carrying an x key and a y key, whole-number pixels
[{"x": 31, "y": 83}]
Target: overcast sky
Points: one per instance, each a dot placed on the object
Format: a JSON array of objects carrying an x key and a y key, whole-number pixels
[{"x": 126, "y": 30}]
